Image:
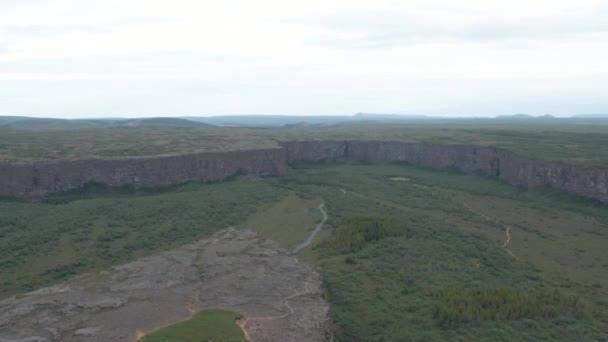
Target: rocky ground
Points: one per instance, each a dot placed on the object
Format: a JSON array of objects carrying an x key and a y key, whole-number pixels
[{"x": 279, "y": 297}]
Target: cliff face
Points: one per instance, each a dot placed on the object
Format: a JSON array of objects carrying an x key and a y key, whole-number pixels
[
  {"x": 40, "y": 179},
  {"x": 588, "y": 182}
]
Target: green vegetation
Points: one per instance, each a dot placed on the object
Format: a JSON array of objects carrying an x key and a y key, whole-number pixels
[
  {"x": 90, "y": 229},
  {"x": 28, "y": 123},
  {"x": 573, "y": 141},
  {"x": 288, "y": 222},
  {"x": 453, "y": 306},
  {"x": 438, "y": 256},
  {"x": 208, "y": 325},
  {"x": 121, "y": 142},
  {"x": 406, "y": 254},
  {"x": 359, "y": 231}
]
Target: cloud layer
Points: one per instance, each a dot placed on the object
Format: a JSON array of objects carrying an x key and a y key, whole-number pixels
[{"x": 184, "y": 57}]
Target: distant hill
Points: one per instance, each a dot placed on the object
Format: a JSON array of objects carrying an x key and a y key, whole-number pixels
[
  {"x": 48, "y": 123},
  {"x": 174, "y": 122},
  {"x": 525, "y": 117},
  {"x": 392, "y": 117},
  {"x": 592, "y": 116},
  {"x": 291, "y": 120},
  {"x": 4, "y": 120},
  {"x": 21, "y": 122},
  {"x": 268, "y": 120}
]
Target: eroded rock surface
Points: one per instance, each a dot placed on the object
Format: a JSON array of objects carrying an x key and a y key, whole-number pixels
[
  {"x": 36, "y": 180},
  {"x": 279, "y": 297},
  {"x": 494, "y": 162}
]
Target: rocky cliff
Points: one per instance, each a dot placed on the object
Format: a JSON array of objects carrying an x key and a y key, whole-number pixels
[
  {"x": 39, "y": 179},
  {"x": 505, "y": 165}
]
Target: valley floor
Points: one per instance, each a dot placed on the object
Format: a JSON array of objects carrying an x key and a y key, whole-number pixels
[{"x": 403, "y": 254}]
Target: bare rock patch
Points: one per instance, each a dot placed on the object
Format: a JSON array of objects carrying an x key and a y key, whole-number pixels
[{"x": 279, "y": 297}]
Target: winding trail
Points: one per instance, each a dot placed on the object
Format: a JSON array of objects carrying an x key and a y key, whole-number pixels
[
  {"x": 242, "y": 323},
  {"x": 314, "y": 232},
  {"x": 506, "y": 244},
  {"x": 82, "y": 280},
  {"x": 507, "y": 229}
]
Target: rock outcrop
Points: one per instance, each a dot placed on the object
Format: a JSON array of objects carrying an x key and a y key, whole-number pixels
[
  {"x": 39, "y": 179},
  {"x": 505, "y": 165}
]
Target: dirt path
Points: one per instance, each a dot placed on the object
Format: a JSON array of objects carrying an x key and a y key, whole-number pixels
[
  {"x": 507, "y": 229},
  {"x": 242, "y": 323},
  {"x": 67, "y": 286},
  {"x": 314, "y": 232},
  {"x": 506, "y": 244}
]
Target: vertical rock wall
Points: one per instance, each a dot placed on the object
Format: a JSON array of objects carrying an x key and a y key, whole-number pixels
[
  {"x": 515, "y": 170},
  {"x": 39, "y": 179}
]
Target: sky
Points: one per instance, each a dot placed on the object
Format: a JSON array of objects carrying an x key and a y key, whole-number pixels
[{"x": 134, "y": 58}]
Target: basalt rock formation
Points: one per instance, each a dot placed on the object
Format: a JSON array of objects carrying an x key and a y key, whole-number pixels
[
  {"x": 505, "y": 165},
  {"x": 39, "y": 179}
]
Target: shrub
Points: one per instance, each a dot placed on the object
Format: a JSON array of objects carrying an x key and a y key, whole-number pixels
[
  {"x": 360, "y": 231},
  {"x": 500, "y": 304}
]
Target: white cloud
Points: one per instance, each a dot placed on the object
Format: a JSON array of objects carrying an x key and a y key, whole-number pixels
[{"x": 325, "y": 57}]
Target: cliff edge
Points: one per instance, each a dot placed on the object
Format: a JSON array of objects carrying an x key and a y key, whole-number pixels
[{"x": 37, "y": 180}]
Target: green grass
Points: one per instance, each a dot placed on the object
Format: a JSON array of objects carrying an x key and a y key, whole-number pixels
[
  {"x": 406, "y": 254},
  {"x": 457, "y": 305},
  {"x": 45, "y": 243},
  {"x": 208, "y": 325},
  {"x": 122, "y": 142},
  {"x": 360, "y": 231},
  {"x": 389, "y": 287},
  {"x": 573, "y": 141},
  {"x": 287, "y": 222}
]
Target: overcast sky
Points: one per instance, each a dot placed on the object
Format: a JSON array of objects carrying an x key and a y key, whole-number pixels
[{"x": 90, "y": 58}]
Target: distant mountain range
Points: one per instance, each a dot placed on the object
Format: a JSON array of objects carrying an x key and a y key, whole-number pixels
[
  {"x": 283, "y": 120},
  {"x": 525, "y": 117},
  {"x": 22, "y": 122},
  {"x": 592, "y": 116},
  {"x": 547, "y": 116}
]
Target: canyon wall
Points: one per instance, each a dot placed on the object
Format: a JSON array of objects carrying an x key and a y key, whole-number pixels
[
  {"x": 505, "y": 165},
  {"x": 39, "y": 179}
]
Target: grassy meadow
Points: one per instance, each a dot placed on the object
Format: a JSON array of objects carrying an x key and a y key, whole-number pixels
[
  {"x": 416, "y": 255},
  {"x": 207, "y": 325},
  {"x": 288, "y": 221},
  {"x": 573, "y": 141},
  {"x": 71, "y": 233}
]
